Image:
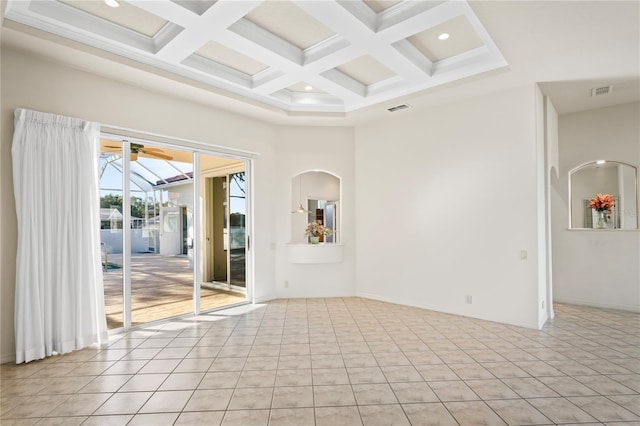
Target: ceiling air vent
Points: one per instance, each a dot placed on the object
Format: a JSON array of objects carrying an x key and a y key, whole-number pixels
[
  {"x": 604, "y": 90},
  {"x": 398, "y": 108}
]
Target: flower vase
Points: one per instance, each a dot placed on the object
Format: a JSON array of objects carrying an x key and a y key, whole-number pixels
[
  {"x": 314, "y": 240},
  {"x": 601, "y": 219}
]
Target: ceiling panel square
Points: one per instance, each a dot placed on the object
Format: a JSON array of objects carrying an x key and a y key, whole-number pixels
[
  {"x": 196, "y": 6},
  {"x": 126, "y": 15},
  {"x": 289, "y": 22},
  {"x": 366, "y": 70},
  {"x": 231, "y": 58},
  {"x": 303, "y": 88},
  {"x": 381, "y": 5},
  {"x": 462, "y": 38}
]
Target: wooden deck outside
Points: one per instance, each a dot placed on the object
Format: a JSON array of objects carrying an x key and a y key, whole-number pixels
[{"x": 161, "y": 287}]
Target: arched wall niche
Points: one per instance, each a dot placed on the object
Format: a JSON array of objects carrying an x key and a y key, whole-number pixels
[
  {"x": 315, "y": 196},
  {"x": 616, "y": 179}
]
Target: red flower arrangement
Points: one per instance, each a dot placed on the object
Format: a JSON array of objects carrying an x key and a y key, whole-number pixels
[{"x": 602, "y": 202}]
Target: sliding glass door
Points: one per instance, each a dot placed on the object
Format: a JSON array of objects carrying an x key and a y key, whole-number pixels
[
  {"x": 224, "y": 236},
  {"x": 174, "y": 224},
  {"x": 161, "y": 220}
]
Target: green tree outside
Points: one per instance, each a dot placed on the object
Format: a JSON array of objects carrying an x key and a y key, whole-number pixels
[{"x": 110, "y": 201}]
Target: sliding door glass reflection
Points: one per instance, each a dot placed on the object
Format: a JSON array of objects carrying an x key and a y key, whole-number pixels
[{"x": 161, "y": 233}]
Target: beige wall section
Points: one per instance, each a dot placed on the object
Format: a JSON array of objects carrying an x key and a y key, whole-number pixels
[
  {"x": 328, "y": 149},
  {"x": 446, "y": 202},
  {"x": 39, "y": 84},
  {"x": 594, "y": 267}
]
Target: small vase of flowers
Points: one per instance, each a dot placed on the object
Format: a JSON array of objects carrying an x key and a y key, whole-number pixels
[
  {"x": 314, "y": 230},
  {"x": 601, "y": 203}
]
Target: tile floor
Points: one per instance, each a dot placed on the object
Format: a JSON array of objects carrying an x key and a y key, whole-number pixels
[{"x": 344, "y": 361}]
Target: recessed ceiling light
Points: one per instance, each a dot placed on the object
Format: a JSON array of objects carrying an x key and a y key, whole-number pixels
[
  {"x": 443, "y": 36},
  {"x": 112, "y": 3},
  {"x": 308, "y": 88},
  {"x": 601, "y": 161}
]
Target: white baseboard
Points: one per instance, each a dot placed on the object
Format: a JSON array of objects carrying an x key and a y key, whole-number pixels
[
  {"x": 543, "y": 320},
  {"x": 570, "y": 301},
  {"x": 263, "y": 299},
  {"x": 5, "y": 358},
  {"x": 413, "y": 304}
]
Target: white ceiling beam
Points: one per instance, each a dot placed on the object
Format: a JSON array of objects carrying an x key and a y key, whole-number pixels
[
  {"x": 360, "y": 31},
  {"x": 342, "y": 79},
  {"x": 215, "y": 20},
  {"x": 168, "y": 11},
  {"x": 218, "y": 70},
  {"x": 362, "y": 11},
  {"x": 403, "y": 12},
  {"x": 359, "y": 34},
  {"x": 420, "y": 20},
  {"x": 309, "y": 71},
  {"x": 267, "y": 40},
  {"x": 292, "y": 71}
]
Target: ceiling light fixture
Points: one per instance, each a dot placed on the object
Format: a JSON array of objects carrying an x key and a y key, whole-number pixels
[
  {"x": 308, "y": 88},
  {"x": 112, "y": 3},
  {"x": 300, "y": 208},
  {"x": 443, "y": 36},
  {"x": 601, "y": 161}
]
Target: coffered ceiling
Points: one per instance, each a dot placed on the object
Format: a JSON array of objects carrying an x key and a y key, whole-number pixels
[{"x": 299, "y": 56}]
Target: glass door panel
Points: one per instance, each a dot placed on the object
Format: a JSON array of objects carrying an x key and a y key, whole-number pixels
[
  {"x": 237, "y": 230},
  {"x": 161, "y": 221},
  {"x": 111, "y": 227},
  {"x": 223, "y": 238}
]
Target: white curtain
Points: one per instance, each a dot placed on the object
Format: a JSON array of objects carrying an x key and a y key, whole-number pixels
[{"x": 59, "y": 290}]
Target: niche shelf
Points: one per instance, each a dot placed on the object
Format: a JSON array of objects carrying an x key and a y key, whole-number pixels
[{"x": 316, "y": 253}]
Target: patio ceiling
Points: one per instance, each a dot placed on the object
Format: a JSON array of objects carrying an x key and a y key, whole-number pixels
[{"x": 149, "y": 173}]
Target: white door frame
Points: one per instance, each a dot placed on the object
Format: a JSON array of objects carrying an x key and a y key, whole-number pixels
[{"x": 197, "y": 222}]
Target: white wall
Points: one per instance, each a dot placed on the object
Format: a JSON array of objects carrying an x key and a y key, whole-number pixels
[
  {"x": 446, "y": 201},
  {"x": 551, "y": 170},
  {"x": 628, "y": 196},
  {"x": 596, "y": 267},
  {"x": 541, "y": 209},
  {"x": 301, "y": 149},
  {"x": 38, "y": 84}
]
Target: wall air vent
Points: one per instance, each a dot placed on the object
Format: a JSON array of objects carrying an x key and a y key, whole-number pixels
[
  {"x": 398, "y": 108},
  {"x": 604, "y": 90}
]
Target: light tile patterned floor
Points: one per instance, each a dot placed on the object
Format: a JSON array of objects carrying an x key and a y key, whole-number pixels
[{"x": 341, "y": 362}]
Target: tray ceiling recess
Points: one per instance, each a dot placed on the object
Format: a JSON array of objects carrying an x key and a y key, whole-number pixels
[{"x": 299, "y": 56}]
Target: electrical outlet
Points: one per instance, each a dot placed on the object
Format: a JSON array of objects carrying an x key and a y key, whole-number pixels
[
  {"x": 523, "y": 254},
  {"x": 286, "y": 284},
  {"x": 468, "y": 299}
]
